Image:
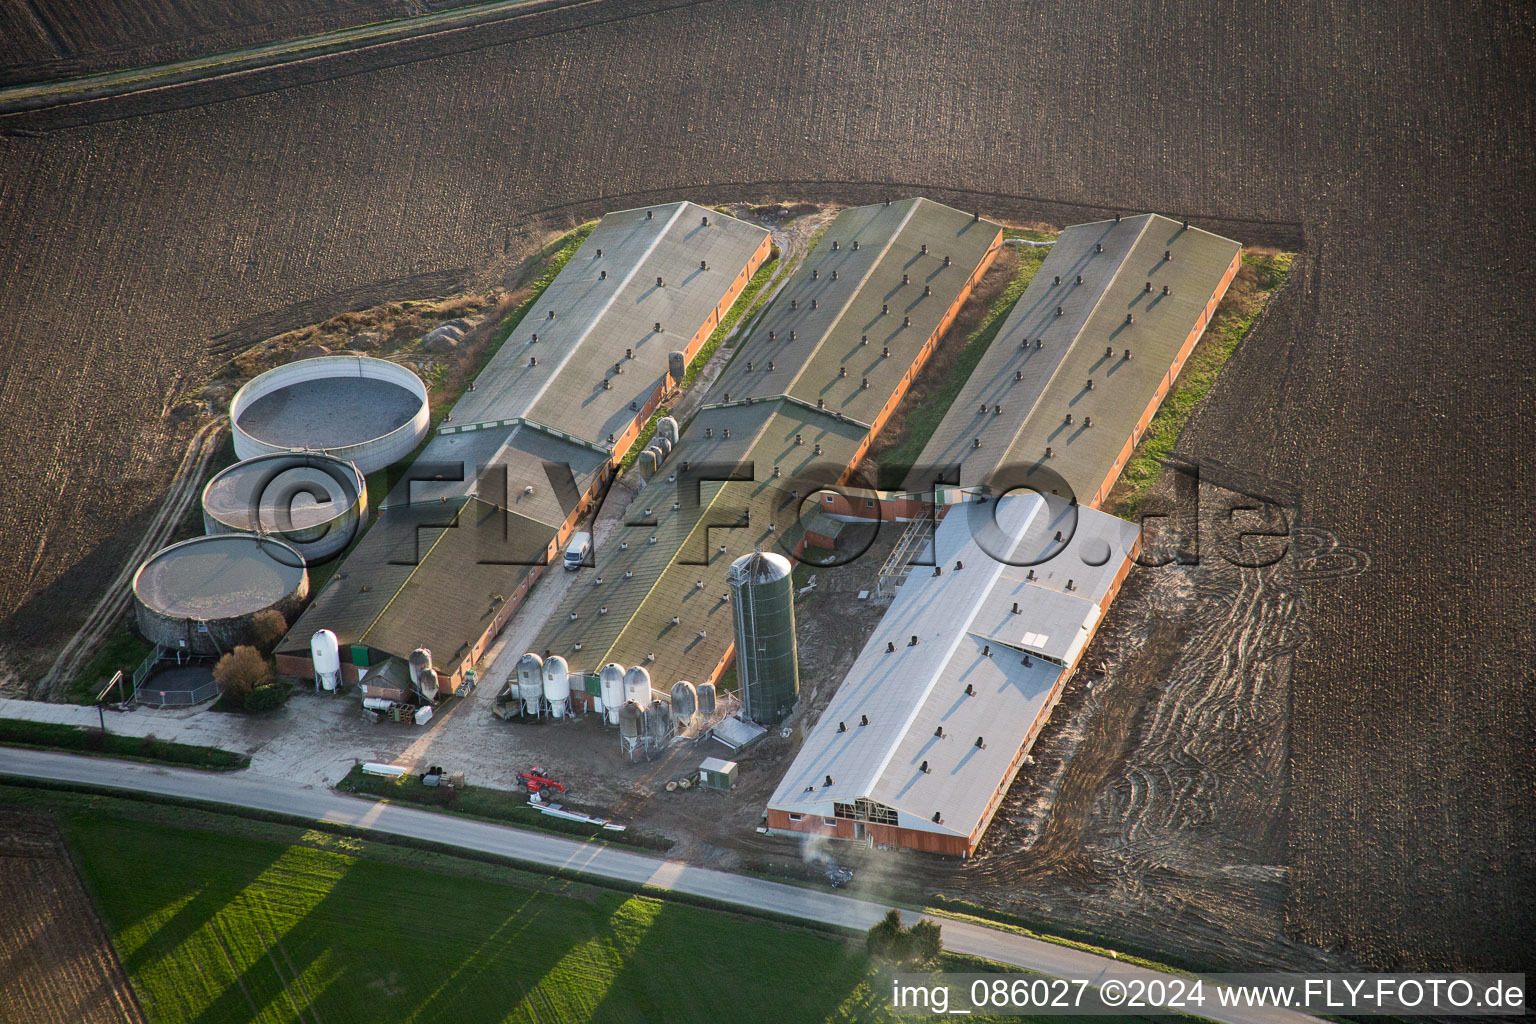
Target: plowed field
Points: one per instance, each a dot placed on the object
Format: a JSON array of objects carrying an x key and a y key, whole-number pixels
[{"x": 1392, "y": 145}]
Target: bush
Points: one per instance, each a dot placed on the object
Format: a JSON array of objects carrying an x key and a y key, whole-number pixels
[
  {"x": 240, "y": 672},
  {"x": 886, "y": 935},
  {"x": 92, "y": 738},
  {"x": 267, "y": 628},
  {"x": 266, "y": 697},
  {"x": 920, "y": 944}
]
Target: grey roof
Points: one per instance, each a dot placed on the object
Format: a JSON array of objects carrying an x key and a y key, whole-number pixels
[
  {"x": 498, "y": 464},
  {"x": 638, "y": 621},
  {"x": 1033, "y": 410},
  {"x": 766, "y": 412},
  {"x": 597, "y": 319},
  {"x": 426, "y": 575},
  {"x": 909, "y": 693},
  {"x": 846, "y": 331}
]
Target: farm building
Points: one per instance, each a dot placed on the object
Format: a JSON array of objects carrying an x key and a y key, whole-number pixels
[
  {"x": 446, "y": 576},
  {"x": 1076, "y": 372},
  {"x": 926, "y": 732},
  {"x": 521, "y": 457},
  {"x": 796, "y": 409}
]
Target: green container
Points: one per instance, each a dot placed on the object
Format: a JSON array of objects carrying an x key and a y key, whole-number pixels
[{"x": 763, "y": 610}]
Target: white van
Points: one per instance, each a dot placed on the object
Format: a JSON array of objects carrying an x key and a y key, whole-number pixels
[{"x": 577, "y": 550}]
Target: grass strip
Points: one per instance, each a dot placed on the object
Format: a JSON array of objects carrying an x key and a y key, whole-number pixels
[{"x": 89, "y": 740}]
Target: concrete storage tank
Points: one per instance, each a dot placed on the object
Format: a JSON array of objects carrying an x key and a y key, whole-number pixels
[
  {"x": 637, "y": 686},
  {"x": 611, "y": 681},
  {"x": 763, "y": 614},
  {"x": 557, "y": 685},
  {"x": 326, "y": 655},
  {"x": 201, "y": 595},
  {"x": 367, "y": 411},
  {"x": 706, "y": 696},
  {"x": 530, "y": 681},
  {"x": 315, "y": 502},
  {"x": 684, "y": 702}
]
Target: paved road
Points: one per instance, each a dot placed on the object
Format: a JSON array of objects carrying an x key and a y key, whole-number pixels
[{"x": 268, "y": 794}]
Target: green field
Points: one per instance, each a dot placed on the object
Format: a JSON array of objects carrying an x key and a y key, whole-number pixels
[{"x": 224, "y": 918}]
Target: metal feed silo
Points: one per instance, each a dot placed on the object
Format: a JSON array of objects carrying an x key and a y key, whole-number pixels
[
  {"x": 684, "y": 701},
  {"x": 706, "y": 698},
  {"x": 763, "y": 612},
  {"x": 611, "y": 680},
  {"x": 530, "y": 681}
]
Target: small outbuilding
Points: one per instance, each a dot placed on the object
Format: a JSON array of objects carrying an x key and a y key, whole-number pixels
[{"x": 717, "y": 774}]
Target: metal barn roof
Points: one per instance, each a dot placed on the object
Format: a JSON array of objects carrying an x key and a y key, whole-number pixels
[
  {"x": 426, "y": 575},
  {"x": 908, "y": 694},
  {"x": 498, "y": 465},
  {"x": 1037, "y": 368},
  {"x": 711, "y": 513},
  {"x": 597, "y": 317},
  {"x": 839, "y": 330}
]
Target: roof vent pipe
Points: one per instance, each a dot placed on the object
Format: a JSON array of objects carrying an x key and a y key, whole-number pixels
[
  {"x": 704, "y": 221},
  {"x": 946, "y": 261},
  {"x": 1058, "y": 536},
  {"x": 602, "y": 275},
  {"x": 1166, "y": 291},
  {"x": 1056, "y": 279},
  {"x": 923, "y": 249},
  {"x": 939, "y": 733},
  {"x": 885, "y": 350},
  {"x": 1018, "y": 374},
  {"x": 1039, "y": 343},
  {"x": 855, "y": 245},
  {"x": 1059, "y": 311},
  {"x": 1117, "y": 218},
  {"x": 1167, "y": 255},
  {"x": 649, "y": 214},
  {"x": 890, "y": 647},
  {"x": 979, "y": 744},
  {"x": 1130, "y": 318},
  {"x": 906, "y": 279},
  {"x": 1098, "y": 247},
  {"x": 863, "y": 719},
  {"x": 599, "y": 254},
  {"x": 1109, "y": 353},
  {"x": 976, "y": 442},
  {"x": 970, "y": 689},
  {"x": 937, "y": 820},
  {"x": 1079, "y": 278},
  {"x": 923, "y": 767},
  {"x": 1030, "y": 575},
  {"x": 1149, "y": 286},
  {"x": 834, "y": 247},
  {"x": 829, "y": 780},
  {"x": 927, "y": 289},
  {"x": 658, "y": 282},
  {"x": 884, "y": 309},
  {"x": 912, "y": 642},
  {"x": 1047, "y": 451},
  {"x": 1016, "y": 604},
  {"x": 703, "y": 264},
  {"x": 842, "y": 726}
]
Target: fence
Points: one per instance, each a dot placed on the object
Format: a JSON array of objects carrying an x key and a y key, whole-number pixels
[{"x": 171, "y": 697}]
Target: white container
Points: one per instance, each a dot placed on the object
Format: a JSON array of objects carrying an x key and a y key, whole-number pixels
[
  {"x": 611, "y": 680},
  {"x": 557, "y": 685},
  {"x": 327, "y": 658}
]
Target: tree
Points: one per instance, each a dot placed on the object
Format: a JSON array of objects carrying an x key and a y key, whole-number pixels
[
  {"x": 886, "y": 935},
  {"x": 923, "y": 942},
  {"x": 888, "y": 940},
  {"x": 239, "y": 672},
  {"x": 267, "y": 628}
]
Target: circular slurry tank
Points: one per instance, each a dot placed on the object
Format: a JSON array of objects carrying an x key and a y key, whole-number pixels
[
  {"x": 315, "y": 502},
  {"x": 367, "y": 411},
  {"x": 201, "y": 595}
]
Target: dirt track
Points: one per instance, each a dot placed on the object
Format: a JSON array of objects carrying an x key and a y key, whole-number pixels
[{"x": 1393, "y": 145}]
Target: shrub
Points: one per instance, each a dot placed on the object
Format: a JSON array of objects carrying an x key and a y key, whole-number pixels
[
  {"x": 886, "y": 935},
  {"x": 239, "y": 672},
  {"x": 267, "y": 628},
  {"x": 92, "y": 738},
  {"x": 920, "y": 944},
  {"x": 266, "y": 697}
]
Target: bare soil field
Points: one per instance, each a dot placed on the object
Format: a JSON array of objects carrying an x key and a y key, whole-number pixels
[
  {"x": 43, "y": 39},
  {"x": 59, "y": 964},
  {"x": 1392, "y": 387}
]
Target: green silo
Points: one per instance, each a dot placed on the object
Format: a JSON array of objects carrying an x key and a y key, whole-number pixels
[{"x": 763, "y": 609}]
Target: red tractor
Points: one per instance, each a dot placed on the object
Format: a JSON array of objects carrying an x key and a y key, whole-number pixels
[{"x": 537, "y": 780}]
